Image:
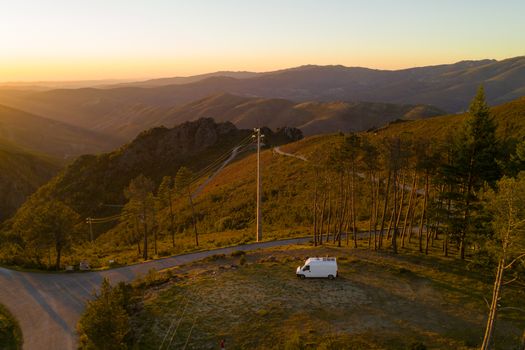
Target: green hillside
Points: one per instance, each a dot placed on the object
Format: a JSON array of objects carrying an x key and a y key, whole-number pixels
[
  {"x": 21, "y": 174},
  {"x": 93, "y": 185}
]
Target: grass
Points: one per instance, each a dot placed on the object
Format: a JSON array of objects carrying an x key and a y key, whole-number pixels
[
  {"x": 10, "y": 333},
  {"x": 380, "y": 301}
]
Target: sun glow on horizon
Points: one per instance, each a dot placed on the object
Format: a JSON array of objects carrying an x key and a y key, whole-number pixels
[{"x": 64, "y": 40}]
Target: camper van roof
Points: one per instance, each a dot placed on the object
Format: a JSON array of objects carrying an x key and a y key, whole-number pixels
[{"x": 315, "y": 259}]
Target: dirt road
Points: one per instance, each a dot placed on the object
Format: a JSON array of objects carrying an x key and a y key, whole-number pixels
[{"x": 48, "y": 306}]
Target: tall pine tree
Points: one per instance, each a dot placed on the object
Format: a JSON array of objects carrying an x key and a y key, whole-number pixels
[{"x": 473, "y": 165}]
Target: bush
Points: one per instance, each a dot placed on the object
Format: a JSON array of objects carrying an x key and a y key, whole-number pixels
[
  {"x": 418, "y": 346},
  {"x": 294, "y": 342},
  {"x": 238, "y": 253},
  {"x": 482, "y": 259},
  {"x": 10, "y": 334},
  {"x": 242, "y": 261},
  {"x": 105, "y": 323},
  {"x": 224, "y": 224}
]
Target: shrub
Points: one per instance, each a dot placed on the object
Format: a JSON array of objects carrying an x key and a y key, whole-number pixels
[
  {"x": 224, "y": 224},
  {"x": 10, "y": 334},
  {"x": 105, "y": 323},
  {"x": 242, "y": 261},
  {"x": 238, "y": 253},
  {"x": 418, "y": 346},
  {"x": 294, "y": 342}
]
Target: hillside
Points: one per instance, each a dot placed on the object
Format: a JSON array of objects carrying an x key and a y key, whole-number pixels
[
  {"x": 49, "y": 136},
  {"x": 310, "y": 117},
  {"x": 227, "y": 203},
  {"x": 509, "y": 117},
  {"x": 21, "y": 173},
  {"x": 93, "y": 181},
  {"x": 128, "y": 110}
]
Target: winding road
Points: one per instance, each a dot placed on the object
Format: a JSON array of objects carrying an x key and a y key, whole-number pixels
[
  {"x": 48, "y": 306},
  {"x": 279, "y": 151}
]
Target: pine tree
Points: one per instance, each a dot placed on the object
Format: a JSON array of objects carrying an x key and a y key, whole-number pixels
[
  {"x": 473, "y": 164},
  {"x": 165, "y": 195},
  {"x": 141, "y": 204},
  {"x": 183, "y": 181}
]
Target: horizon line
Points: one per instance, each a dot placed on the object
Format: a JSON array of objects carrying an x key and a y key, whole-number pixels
[{"x": 169, "y": 76}]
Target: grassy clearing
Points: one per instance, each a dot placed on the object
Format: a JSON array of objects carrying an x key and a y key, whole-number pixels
[
  {"x": 380, "y": 301},
  {"x": 10, "y": 333}
]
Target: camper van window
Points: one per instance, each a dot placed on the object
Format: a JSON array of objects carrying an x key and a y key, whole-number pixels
[{"x": 306, "y": 268}]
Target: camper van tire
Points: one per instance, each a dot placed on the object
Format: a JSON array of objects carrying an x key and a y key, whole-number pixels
[
  {"x": 302, "y": 277},
  {"x": 331, "y": 277}
]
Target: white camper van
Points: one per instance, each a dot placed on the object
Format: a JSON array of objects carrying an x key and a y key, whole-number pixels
[{"x": 318, "y": 268}]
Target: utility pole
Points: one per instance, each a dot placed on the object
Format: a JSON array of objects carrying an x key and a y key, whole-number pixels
[
  {"x": 258, "y": 136},
  {"x": 88, "y": 221}
]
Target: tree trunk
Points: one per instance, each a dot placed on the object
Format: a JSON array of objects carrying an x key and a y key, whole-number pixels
[
  {"x": 322, "y": 219},
  {"x": 394, "y": 214},
  {"x": 391, "y": 221},
  {"x": 409, "y": 209},
  {"x": 487, "y": 339},
  {"x": 401, "y": 200},
  {"x": 58, "y": 249},
  {"x": 423, "y": 213},
  {"x": 411, "y": 221},
  {"x": 354, "y": 228},
  {"x": 372, "y": 205},
  {"x": 329, "y": 223},
  {"x": 376, "y": 209},
  {"x": 445, "y": 243},
  {"x": 387, "y": 190},
  {"x": 466, "y": 215},
  {"x": 194, "y": 220},
  {"x": 145, "y": 251},
  {"x": 344, "y": 200},
  {"x": 137, "y": 234},
  {"x": 314, "y": 233},
  {"x": 172, "y": 219}
]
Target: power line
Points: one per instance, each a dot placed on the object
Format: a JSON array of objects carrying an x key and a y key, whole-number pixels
[{"x": 220, "y": 160}]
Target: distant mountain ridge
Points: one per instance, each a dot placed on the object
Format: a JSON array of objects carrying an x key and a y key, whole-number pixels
[
  {"x": 125, "y": 111},
  {"x": 184, "y": 80},
  {"x": 310, "y": 117},
  {"x": 48, "y": 136}
]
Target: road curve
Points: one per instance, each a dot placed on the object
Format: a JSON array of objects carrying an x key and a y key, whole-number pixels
[
  {"x": 279, "y": 151},
  {"x": 48, "y": 306}
]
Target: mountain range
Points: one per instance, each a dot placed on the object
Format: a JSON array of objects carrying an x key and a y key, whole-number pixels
[
  {"x": 122, "y": 112},
  {"x": 47, "y": 136}
]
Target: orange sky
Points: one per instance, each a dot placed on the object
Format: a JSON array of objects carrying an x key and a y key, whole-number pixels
[{"x": 139, "y": 39}]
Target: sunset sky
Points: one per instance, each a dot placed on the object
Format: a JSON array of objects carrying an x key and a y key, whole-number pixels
[{"x": 129, "y": 39}]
